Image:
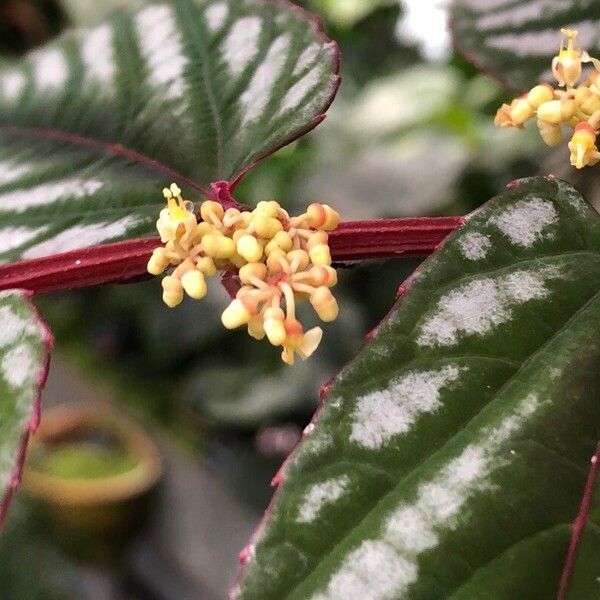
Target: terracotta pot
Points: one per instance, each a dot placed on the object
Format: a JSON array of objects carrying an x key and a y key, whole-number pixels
[{"x": 94, "y": 518}]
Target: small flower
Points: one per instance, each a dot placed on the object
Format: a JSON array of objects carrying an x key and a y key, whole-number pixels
[
  {"x": 583, "y": 146},
  {"x": 566, "y": 67},
  {"x": 281, "y": 260}
]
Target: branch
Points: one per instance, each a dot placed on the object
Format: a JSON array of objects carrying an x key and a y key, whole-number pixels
[{"x": 126, "y": 261}]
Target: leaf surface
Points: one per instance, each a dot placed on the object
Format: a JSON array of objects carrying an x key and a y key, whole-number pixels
[
  {"x": 95, "y": 124},
  {"x": 453, "y": 451},
  {"x": 515, "y": 40},
  {"x": 24, "y": 354}
]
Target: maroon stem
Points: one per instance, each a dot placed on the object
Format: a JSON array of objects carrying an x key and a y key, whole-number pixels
[
  {"x": 125, "y": 261},
  {"x": 578, "y": 527}
]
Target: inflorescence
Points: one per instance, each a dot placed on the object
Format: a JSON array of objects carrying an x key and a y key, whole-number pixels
[
  {"x": 279, "y": 259},
  {"x": 577, "y": 106}
]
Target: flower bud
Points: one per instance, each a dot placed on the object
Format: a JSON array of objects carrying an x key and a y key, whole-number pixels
[
  {"x": 503, "y": 116},
  {"x": 172, "y": 291},
  {"x": 194, "y": 284},
  {"x": 274, "y": 260},
  {"x": 207, "y": 266},
  {"x": 551, "y": 112},
  {"x": 235, "y": 315},
  {"x": 324, "y": 304},
  {"x": 540, "y": 94},
  {"x": 521, "y": 111},
  {"x": 158, "y": 261},
  {"x": 283, "y": 240},
  {"x": 267, "y": 208},
  {"x": 249, "y": 248},
  {"x": 210, "y": 244},
  {"x": 211, "y": 209},
  {"x": 226, "y": 248},
  {"x": 266, "y": 227},
  {"x": 275, "y": 330},
  {"x": 203, "y": 228},
  {"x": 322, "y": 216},
  {"x": 320, "y": 255},
  {"x": 551, "y": 132},
  {"x": 323, "y": 275},
  {"x": 253, "y": 270},
  {"x": 298, "y": 259}
]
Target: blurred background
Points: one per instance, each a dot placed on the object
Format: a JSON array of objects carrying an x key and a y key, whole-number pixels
[{"x": 411, "y": 133}]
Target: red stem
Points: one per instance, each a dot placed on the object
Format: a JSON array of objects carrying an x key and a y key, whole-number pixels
[
  {"x": 578, "y": 527},
  {"x": 125, "y": 261}
]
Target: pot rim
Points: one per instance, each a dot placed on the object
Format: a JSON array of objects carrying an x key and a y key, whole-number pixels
[{"x": 60, "y": 420}]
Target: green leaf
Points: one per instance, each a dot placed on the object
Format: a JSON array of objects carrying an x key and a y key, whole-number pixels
[
  {"x": 94, "y": 125},
  {"x": 454, "y": 448},
  {"x": 24, "y": 346},
  {"x": 515, "y": 40}
]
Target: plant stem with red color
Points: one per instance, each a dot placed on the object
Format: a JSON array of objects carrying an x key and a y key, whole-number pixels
[
  {"x": 579, "y": 525},
  {"x": 126, "y": 261}
]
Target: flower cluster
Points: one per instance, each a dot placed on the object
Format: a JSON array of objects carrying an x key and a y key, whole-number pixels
[
  {"x": 279, "y": 259},
  {"x": 577, "y": 106}
]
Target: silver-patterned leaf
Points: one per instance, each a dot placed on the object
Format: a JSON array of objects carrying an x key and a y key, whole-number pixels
[
  {"x": 95, "y": 124},
  {"x": 24, "y": 345}
]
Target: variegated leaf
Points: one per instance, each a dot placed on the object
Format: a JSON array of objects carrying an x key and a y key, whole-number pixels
[
  {"x": 24, "y": 346},
  {"x": 449, "y": 458},
  {"x": 95, "y": 124},
  {"x": 515, "y": 40}
]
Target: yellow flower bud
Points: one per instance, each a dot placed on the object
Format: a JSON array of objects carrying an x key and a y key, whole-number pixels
[
  {"x": 267, "y": 208},
  {"x": 249, "y": 248},
  {"x": 266, "y": 227},
  {"x": 323, "y": 275},
  {"x": 322, "y": 216},
  {"x": 299, "y": 258},
  {"x": 194, "y": 284},
  {"x": 253, "y": 270},
  {"x": 503, "y": 116},
  {"x": 207, "y": 266},
  {"x": 211, "y": 209},
  {"x": 324, "y": 304},
  {"x": 235, "y": 315},
  {"x": 158, "y": 261},
  {"x": 210, "y": 244},
  {"x": 521, "y": 111},
  {"x": 172, "y": 291},
  {"x": 551, "y": 132},
  {"x": 283, "y": 240},
  {"x": 320, "y": 255},
  {"x": 540, "y": 94},
  {"x": 551, "y": 112},
  {"x": 226, "y": 248},
  {"x": 275, "y": 330},
  {"x": 568, "y": 109},
  {"x": 591, "y": 105},
  {"x": 203, "y": 228}
]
